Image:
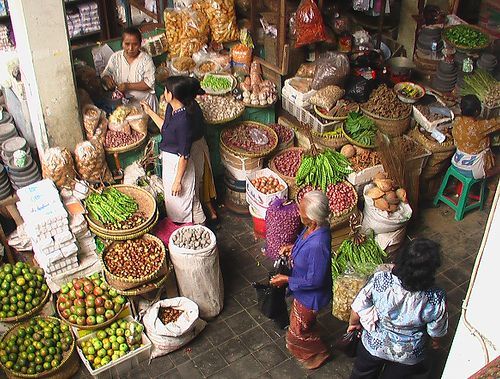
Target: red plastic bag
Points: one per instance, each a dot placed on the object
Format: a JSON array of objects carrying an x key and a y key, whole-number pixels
[{"x": 309, "y": 24}]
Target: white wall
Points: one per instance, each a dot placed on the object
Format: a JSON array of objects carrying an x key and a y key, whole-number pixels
[{"x": 483, "y": 312}]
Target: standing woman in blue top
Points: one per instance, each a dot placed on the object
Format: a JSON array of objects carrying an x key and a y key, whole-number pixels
[
  {"x": 178, "y": 133},
  {"x": 310, "y": 282}
]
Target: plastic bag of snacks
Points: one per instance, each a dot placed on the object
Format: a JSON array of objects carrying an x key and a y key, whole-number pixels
[
  {"x": 90, "y": 160},
  {"x": 309, "y": 24},
  {"x": 332, "y": 68},
  {"x": 58, "y": 166},
  {"x": 345, "y": 290},
  {"x": 282, "y": 226},
  {"x": 91, "y": 117},
  {"x": 327, "y": 97},
  {"x": 222, "y": 19},
  {"x": 173, "y": 31}
]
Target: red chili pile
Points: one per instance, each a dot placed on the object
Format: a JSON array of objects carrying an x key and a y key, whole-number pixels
[
  {"x": 341, "y": 196},
  {"x": 288, "y": 162},
  {"x": 267, "y": 185},
  {"x": 246, "y": 138},
  {"x": 119, "y": 139},
  {"x": 285, "y": 134}
]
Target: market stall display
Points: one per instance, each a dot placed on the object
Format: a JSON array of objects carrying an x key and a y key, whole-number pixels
[
  {"x": 391, "y": 116},
  {"x": 218, "y": 84},
  {"x": 134, "y": 212},
  {"x": 56, "y": 337},
  {"x": 220, "y": 109},
  {"x": 360, "y": 130},
  {"x": 286, "y": 164},
  {"x": 256, "y": 91},
  {"x": 29, "y": 291},
  {"x": 483, "y": 85},
  {"x": 250, "y": 139},
  {"x": 446, "y": 77},
  {"x": 466, "y": 37},
  {"x": 409, "y": 92},
  {"x": 285, "y": 135},
  {"x": 364, "y": 162},
  {"x": 221, "y": 16},
  {"x": 5, "y": 186},
  {"x": 282, "y": 226},
  {"x": 132, "y": 263},
  {"x": 90, "y": 162},
  {"x": 88, "y": 303},
  {"x": 338, "y": 112}
]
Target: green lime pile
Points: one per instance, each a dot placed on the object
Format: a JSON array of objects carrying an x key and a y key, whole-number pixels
[
  {"x": 22, "y": 288},
  {"x": 36, "y": 346},
  {"x": 112, "y": 343}
]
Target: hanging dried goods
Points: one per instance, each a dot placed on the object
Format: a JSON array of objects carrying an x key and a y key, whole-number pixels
[
  {"x": 192, "y": 238},
  {"x": 384, "y": 102},
  {"x": 168, "y": 314},
  {"x": 134, "y": 259}
]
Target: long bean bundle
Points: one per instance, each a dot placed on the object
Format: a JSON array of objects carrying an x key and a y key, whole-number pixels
[{"x": 111, "y": 206}]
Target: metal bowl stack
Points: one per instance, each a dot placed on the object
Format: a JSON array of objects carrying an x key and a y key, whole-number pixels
[{"x": 7, "y": 130}]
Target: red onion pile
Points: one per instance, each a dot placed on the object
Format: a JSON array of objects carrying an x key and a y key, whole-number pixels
[
  {"x": 282, "y": 226},
  {"x": 119, "y": 139},
  {"x": 240, "y": 138},
  {"x": 342, "y": 197},
  {"x": 288, "y": 162},
  {"x": 285, "y": 133}
]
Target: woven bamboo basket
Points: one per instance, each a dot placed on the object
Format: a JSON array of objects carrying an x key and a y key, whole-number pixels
[
  {"x": 320, "y": 113},
  {"x": 354, "y": 142},
  {"x": 392, "y": 127},
  {"x": 146, "y": 204},
  {"x": 124, "y": 284},
  {"x": 145, "y": 288},
  {"x": 90, "y": 327},
  {"x": 67, "y": 369},
  {"x": 124, "y": 149},
  {"x": 32, "y": 312},
  {"x": 225, "y": 121},
  {"x": 290, "y": 180},
  {"x": 329, "y": 142},
  {"x": 244, "y": 153},
  {"x": 146, "y": 229}
]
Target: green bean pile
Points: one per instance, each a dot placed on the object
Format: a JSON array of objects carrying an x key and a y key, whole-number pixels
[{"x": 111, "y": 206}]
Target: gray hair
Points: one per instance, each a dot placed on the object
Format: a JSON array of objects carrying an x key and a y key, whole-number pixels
[{"x": 316, "y": 207}]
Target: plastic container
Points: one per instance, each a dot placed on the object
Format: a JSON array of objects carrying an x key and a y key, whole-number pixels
[
  {"x": 255, "y": 197},
  {"x": 298, "y": 98},
  {"x": 122, "y": 366},
  {"x": 303, "y": 115},
  {"x": 259, "y": 224}
]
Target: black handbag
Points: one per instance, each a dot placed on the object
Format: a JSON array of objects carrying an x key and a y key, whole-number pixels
[{"x": 348, "y": 343}]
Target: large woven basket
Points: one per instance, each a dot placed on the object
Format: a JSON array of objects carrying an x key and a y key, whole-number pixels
[
  {"x": 329, "y": 142},
  {"x": 145, "y": 229},
  {"x": 290, "y": 180},
  {"x": 67, "y": 369},
  {"x": 145, "y": 288},
  {"x": 126, "y": 148},
  {"x": 90, "y": 327},
  {"x": 392, "y": 127},
  {"x": 124, "y": 284},
  {"x": 146, "y": 204},
  {"x": 243, "y": 153},
  {"x": 32, "y": 312}
]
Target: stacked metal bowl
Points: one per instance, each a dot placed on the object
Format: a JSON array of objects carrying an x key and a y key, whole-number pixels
[
  {"x": 5, "y": 187},
  {"x": 22, "y": 172}
]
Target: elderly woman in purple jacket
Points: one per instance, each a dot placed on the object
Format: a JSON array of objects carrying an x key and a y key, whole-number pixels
[{"x": 310, "y": 282}]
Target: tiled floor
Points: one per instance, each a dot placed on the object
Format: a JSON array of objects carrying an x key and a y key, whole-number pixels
[{"x": 241, "y": 343}]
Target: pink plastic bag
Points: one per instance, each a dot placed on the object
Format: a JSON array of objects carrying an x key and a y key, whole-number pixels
[{"x": 165, "y": 228}]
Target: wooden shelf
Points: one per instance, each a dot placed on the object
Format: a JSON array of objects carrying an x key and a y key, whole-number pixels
[{"x": 83, "y": 36}]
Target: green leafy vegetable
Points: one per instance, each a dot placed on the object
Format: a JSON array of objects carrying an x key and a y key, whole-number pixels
[
  {"x": 216, "y": 82},
  {"x": 464, "y": 35},
  {"x": 361, "y": 129}
]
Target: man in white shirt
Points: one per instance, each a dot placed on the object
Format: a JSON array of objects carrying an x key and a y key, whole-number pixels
[{"x": 131, "y": 70}]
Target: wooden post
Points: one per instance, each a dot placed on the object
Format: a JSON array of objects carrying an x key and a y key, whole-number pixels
[
  {"x": 381, "y": 23},
  {"x": 281, "y": 32}
]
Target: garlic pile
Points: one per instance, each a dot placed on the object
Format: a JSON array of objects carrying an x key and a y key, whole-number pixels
[
  {"x": 257, "y": 91},
  {"x": 386, "y": 196}
]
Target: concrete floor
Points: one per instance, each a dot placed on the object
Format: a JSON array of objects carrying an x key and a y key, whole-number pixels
[{"x": 241, "y": 343}]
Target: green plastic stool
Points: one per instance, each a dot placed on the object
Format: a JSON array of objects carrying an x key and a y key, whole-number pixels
[{"x": 460, "y": 207}]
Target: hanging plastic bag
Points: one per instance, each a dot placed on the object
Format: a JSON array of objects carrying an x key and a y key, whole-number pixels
[
  {"x": 309, "y": 24},
  {"x": 332, "y": 68},
  {"x": 345, "y": 290}
]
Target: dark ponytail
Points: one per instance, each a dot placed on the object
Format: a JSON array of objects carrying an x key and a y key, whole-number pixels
[{"x": 185, "y": 89}]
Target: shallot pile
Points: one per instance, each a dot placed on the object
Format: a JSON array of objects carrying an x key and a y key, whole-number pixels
[
  {"x": 285, "y": 133},
  {"x": 116, "y": 139},
  {"x": 267, "y": 185},
  {"x": 341, "y": 197},
  {"x": 282, "y": 226},
  {"x": 288, "y": 162},
  {"x": 249, "y": 138}
]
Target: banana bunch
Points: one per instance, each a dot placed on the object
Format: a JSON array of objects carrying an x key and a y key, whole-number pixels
[{"x": 327, "y": 167}]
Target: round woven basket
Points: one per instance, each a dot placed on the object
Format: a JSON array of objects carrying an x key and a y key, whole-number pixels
[
  {"x": 67, "y": 369},
  {"x": 89, "y": 327},
  {"x": 339, "y": 219},
  {"x": 392, "y": 127},
  {"x": 290, "y": 180},
  {"x": 146, "y": 204},
  {"x": 354, "y": 142},
  {"x": 466, "y": 48},
  {"x": 246, "y": 154},
  {"x": 225, "y": 121},
  {"x": 333, "y": 142},
  {"x": 146, "y": 229},
  {"x": 332, "y": 118},
  {"x": 124, "y": 149},
  {"x": 145, "y": 288},
  {"x": 30, "y": 313},
  {"x": 123, "y": 284}
]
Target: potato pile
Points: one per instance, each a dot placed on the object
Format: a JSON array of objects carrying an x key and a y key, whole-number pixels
[
  {"x": 192, "y": 238},
  {"x": 385, "y": 195},
  {"x": 267, "y": 185}
]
